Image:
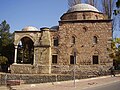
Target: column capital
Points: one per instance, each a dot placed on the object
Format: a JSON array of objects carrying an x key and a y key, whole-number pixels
[{"x": 16, "y": 46}]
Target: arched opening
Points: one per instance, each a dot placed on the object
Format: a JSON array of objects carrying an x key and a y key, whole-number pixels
[
  {"x": 84, "y": 29},
  {"x": 56, "y": 41},
  {"x": 95, "y": 40},
  {"x": 73, "y": 40},
  {"x": 84, "y": 17},
  {"x": 96, "y": 17},
  {"x": 25, "y": 51}
]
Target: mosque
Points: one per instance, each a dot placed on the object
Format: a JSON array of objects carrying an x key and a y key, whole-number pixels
[{"x": 80, "y": 42}]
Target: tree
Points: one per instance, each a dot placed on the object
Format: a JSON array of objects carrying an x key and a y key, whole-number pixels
[
  {"x": 6, "y": 41},
  {"x": 73, "y": 2},
  {"x": 114, "y": 52},
  {"x": 117, "y": 11},
  {"x": 3, "y": 60},
  {"x": 108, "y": 6},
  {"x": 92, "y": 2}
]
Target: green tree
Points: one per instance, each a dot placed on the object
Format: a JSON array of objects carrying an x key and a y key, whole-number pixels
[
  {"x": 6, "y": 42},
  {"x": 3, "y": 60},
  {"x": 117, "y": 11},
  {"x": 115, "y": 49}
]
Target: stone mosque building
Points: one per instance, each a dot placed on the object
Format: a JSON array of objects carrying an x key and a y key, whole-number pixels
[{"x": 80, "y": 41}]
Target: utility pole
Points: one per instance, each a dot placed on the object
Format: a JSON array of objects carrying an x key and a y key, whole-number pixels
[{"x": 74, "y": 67}]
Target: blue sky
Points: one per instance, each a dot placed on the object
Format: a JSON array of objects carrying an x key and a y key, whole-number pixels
[{"x": 38, "y": 13}]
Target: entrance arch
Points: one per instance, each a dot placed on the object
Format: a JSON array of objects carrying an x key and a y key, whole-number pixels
[{"x": 25, "y": 51}]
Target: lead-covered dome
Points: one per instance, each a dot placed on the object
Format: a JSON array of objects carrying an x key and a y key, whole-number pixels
[
  {"x": 30, "y": 28},
  {"x": 82, "y": 7}
]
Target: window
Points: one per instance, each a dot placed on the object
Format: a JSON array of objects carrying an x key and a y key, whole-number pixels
[
  {"x": 56, "y": 41},
  {"x": 54, "y": 59},
  {"x": 84, "y": 29},
  {"x": 96, "y": 16},
  {"x": 95, "y": 59},
  {"x": 72, "y": 59},
  {"x": 73, "y": 40},
  {"x": 95, "y": 41},
  {"x": 84, "y": 16}
]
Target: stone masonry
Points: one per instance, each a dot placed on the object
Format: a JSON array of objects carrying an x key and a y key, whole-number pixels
[{"x": 87, "y": 33}]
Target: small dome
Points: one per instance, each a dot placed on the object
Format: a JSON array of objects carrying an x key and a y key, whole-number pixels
[
  {"x": 82, "y": 7},
  {"x": 54, "y": 27},
  {"x": 30, "y": 28}
]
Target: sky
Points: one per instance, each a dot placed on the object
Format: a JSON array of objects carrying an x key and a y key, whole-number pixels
[{"x": 37, "y": 13}]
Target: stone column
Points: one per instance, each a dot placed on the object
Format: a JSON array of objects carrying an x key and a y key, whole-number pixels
[
  {"x": 15, "y": 57},
  {"x": 50, "y": 59}
]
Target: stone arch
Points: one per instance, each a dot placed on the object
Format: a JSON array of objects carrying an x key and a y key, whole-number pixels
[
  {"x": 96, "y": 17},
  {"x": 95, "y": 39},
  {"x": 85, "y": 28},
  {"x": 95, "y": 57},
  {"x": 96, "y": 52},
  {"x": 25, "y": 50},
  {"x": 73, "y": 39},
  {"x": 55, "y": 51},
  {"x": 16, "y": 42},
  {"x": 56, "y": 36},
  {"x": 84, "y": 16},
  {"x": 56, "y": 40},
  {"x": 74, "y": 35}
]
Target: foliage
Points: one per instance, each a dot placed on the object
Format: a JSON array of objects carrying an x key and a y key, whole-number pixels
[
  {"x": 117, "y": 11},
  {"x": 115, "y": 49},
  {"x": 6, "y": 41},
  {"x": 118, "y": 4},
  {"x": 3, "y": 60}
]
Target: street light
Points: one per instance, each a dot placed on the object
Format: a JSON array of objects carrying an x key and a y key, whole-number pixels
[
  {"x": 74, "y": 66},
  {"x": 74, "y": 53}
]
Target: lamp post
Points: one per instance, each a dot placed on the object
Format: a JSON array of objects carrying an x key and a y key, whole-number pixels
[{"x": 74, "y": 65}]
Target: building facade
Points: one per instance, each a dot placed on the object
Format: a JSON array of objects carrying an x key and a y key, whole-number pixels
[{"x": 80, "y": 41}]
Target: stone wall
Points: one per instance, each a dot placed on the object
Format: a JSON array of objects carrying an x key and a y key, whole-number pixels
[
  {"x": 71, "y": 25},
  {"x": 29, "y": 69},
  {"x": 82, "y": 16},
  {"x": 93, "y": 70},
  {"x": 84, "y": 42},
  {"x": 36, "y": 78}
]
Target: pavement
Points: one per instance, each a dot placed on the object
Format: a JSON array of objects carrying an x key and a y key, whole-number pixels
[{"x": 78, "y": 85}]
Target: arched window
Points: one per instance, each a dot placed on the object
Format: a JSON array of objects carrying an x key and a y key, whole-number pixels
[
  {"x": 95, "y": 40},
  {"x": 84, "y": 29},
  {"x": 56, "y": 41},
  {"x": 96, "y": 17},
  {"x": 73, "y": 40},
  {"x": 25, "y": 51},
  {"x": 84, "y": 16}
]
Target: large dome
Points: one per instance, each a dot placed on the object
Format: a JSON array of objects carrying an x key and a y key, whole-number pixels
[
  {"x": 30, "y": 28},
  {"x": 82, "y": 7}
]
